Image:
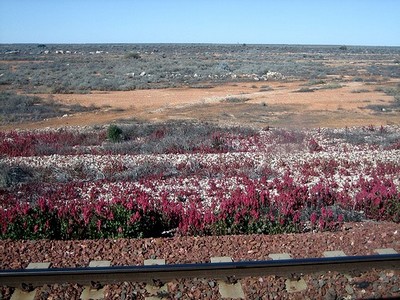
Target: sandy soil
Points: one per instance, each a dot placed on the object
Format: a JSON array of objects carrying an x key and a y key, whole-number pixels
[{"x": 281, "y": 106}]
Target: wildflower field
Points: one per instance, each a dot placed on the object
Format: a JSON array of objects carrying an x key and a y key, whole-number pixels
[{"x": 182, "y": 178}]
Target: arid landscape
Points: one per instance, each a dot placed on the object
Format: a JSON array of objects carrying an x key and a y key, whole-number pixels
[
  {"x": 258, "y": 85},
  {"x": 281, "y": 105},
  {"x": 125, "y": 153}
]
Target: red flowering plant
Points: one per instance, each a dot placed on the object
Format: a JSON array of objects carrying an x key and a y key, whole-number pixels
[{"x": 67, "y": 184}]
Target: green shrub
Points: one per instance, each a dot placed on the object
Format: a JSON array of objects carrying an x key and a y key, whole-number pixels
[{"x": 114, "y": 133}]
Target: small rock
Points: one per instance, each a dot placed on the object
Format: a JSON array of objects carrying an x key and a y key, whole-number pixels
[
  {"x": 321, "y": 283},
  {"x": 349, "y": 289},
  {"x": 123, "y": 295},
  {"x": 211, "y": 284},
  {"x": 390, "y": 274},
  {"x": 363, "y": 284},
  {"x": 346, "y": 227},
  {"x": 330, "y": 294},
  {"x": 172, "y": 286},
  {"x": 395, "y": 289}
]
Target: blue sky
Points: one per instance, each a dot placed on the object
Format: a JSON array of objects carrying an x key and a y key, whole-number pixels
[{"x": 338, "y": 22}]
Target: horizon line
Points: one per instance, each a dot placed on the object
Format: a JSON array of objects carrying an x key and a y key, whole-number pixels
[{"x": 192, "y": 43}]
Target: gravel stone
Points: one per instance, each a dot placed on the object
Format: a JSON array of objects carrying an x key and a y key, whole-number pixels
[
  {"x": 321, "y": 283},
  {"x": 330, "y": 295},
  {"x": 363, "y": 284},
  {"x": 395, "y": 289},
  {"x": 349, "y": 289},
  {"x": 183, "y": 249}
]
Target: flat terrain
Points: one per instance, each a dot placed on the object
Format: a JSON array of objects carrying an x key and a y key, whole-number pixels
[
  {"x": 281, "y": 104},
  {"x": 323, "y": 155},
  {"x": 256, "y": 85}
]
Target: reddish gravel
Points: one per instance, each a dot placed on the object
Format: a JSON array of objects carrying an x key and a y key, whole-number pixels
[{"x": 353, "y": 239}]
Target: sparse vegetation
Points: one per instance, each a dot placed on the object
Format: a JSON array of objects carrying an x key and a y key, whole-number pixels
[
  {"x": 266, "y": 88},
  {"x": 83, "y": 68},
  {"x": 236, "y": 99},
  {"x": 16, "y": 108},
  {"x": 133, "y": 55},
  {"x": 359, "y": 91},
  {"x": 391, "y": 91},
  {"x": 330, "y": 86},
  {"x": 315, "y": 82},
  {"x": 305, "y": 90}
]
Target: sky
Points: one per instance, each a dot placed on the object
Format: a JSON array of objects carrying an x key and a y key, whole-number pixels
[{"x": 322, "y": 22}]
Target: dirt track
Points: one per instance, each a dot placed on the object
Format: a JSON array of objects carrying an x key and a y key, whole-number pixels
[{"x": 280, "y": 105}]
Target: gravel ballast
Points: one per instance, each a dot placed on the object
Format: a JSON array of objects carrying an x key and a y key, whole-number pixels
[{"x": 353, "y": 239}]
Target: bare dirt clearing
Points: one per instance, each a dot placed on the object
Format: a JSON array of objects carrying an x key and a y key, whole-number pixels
[{"x": 284, "y": 104}]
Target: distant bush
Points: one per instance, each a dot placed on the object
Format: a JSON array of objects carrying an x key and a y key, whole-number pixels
[
  {"x": 133, "y": 55},
  {"x": 114, "y": 133},
  {"x": 391, "y": 91},
  {"x": 265, "y": 88},
  {"x": 236, "y": 99},
  {"x": 369, "y": 135},
  {"x": 315, "y": 82},
  {"x": 16, "y": 108},
  {"x": 360, "y": 91},
  {"x": 331, "y": 86},
  {"x": 304, "y": 90}
]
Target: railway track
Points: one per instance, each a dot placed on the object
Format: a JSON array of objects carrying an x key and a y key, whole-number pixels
[{"x": 221, "y": 269}]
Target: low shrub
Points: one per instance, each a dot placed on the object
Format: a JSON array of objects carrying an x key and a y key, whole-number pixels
[
  {"x": 16, "y": 108},
  {"x": 114, "y": 133},
  {"x": 13, "y": 175},
  {"x": 305, "y": 90},
  {"x": 133, "y": 55},
  {"x": 331, "y": 86},
  {"x": 358, "y": 91},
  {"x": 236, "y": 99}
]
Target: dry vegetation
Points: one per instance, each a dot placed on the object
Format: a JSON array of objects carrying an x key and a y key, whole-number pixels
[{"x": 257, "y": 85}]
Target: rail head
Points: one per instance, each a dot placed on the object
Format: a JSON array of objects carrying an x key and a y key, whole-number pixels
[{"x": 222, "y": 270}]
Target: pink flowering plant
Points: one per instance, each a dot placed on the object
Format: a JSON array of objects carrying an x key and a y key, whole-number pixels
[{"x": 194, "y": 179}]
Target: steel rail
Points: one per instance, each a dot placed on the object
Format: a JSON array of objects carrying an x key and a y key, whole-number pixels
[{"x": 225, "y": 270}]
